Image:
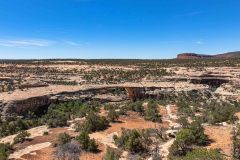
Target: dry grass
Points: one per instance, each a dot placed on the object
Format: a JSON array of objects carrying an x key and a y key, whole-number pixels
[{"x": 221, "y": 138}]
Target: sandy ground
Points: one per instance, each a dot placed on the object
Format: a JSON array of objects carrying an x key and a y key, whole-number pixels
[
  {"x": 43, "y": 154},
  {"x": 162, "y": 111},
  {"x": 221, "y": 137},
  {"x": 132, "y": 121},
  {"x": 36, "y": 148}
]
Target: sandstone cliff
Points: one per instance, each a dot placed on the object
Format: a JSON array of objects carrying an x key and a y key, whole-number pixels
[{"x": 203, "y": 56}]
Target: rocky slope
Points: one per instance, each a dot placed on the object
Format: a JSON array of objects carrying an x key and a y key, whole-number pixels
[{"x": 204, "y": 56}]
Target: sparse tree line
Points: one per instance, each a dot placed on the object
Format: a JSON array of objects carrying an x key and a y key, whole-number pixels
[
  {"x": 110, "y": 76},
  {"x": 131, "y": 62}
]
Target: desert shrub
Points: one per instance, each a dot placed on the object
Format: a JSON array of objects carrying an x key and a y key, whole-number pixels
[
  {"x": 112, "y": 154},
  {"x": 112, "y": 115},
  {"x": 134, "y": 141},
  {"x": 56, "y": 118},
  {"x": 94, "y": 123},
  {"x": 63, "y": 138},
  {"x": 152, "y": 113},
  {"x": 183, "y": 122},
  {"x": 136, "y": 107},
  {"x": 236, "y": 142},
  {"x": 183, "y": 141},
  {"x": 79, "y": 126},
  {"x": 68, "y": 151},
  {"x": 236, "y": 148},
  {"x": 4, "y": 151},
  {"x": 45, "y": 133},
  {"x": 122, "y": 111},
  {"x": 86, "y": 143},
  {"x": 183, "y": 106},
  {"x": 82, "y": 109},
  {"x": 58, "y": 114},
  {"x": 217, "y": 112},
  {"x": 13, "y": 126},
  {"x": 197, "y": 130},
  {"x": 203, "y": 154},
  {"x": 108, "y": 107},
  {"x": 21, "y": 137},
  {"x": 185, "y": 138}
]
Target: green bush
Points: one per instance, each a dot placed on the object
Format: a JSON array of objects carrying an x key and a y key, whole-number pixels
[
  {"x": 45, "y": 133},
  {"x": 185, "y": 138},
  {"x": 183, "y": 141},
  {"x": 197, "y": 130},
  {"x": 55, "y": 118},
  {"x": 58, "y": 114},
  {"x": 112, "y": 154},
  {"x": 94, "y": 123},
  {"x": 86, "y": 143},
  {"x": 122, "y": 111},
  {"x": 152, "y": 113},
  {"x": 63, "y": 138},
  {"x": 112, "y": 115},
  {"x": 203, "y": 154},
  {"x": 136, "y": 107},
  {"x": 133, "y": 141},
  {"x": 108, "y": 107},
  {"x": 217, "y": 112},
  {"x": 183, "y": 122},
  {"x": 10, "y": 127},
  {"x": 4, "y": 151},
  {"x": 21, "y": 137}
]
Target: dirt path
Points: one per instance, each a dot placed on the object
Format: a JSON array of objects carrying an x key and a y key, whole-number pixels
[
  {"x": 171, "y": 118},
  {"x": 169, "y": 112},
  {"x": 164, "y": 148}
]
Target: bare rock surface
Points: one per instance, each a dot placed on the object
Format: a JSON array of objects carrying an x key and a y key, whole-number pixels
[
  {"x": 28, "y": 150},
  {"x": 34, "y": 132}
]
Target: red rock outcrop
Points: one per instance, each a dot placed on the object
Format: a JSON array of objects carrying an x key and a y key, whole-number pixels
[
  {"x": 192, "y": 56},
  {"x": 203, "y": 56}
]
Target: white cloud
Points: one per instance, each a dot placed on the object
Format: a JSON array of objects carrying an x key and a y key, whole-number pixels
[
  {"x": 36, "y": 43},
  {"x": 71, "y": 43},
  {"x": 198, "y": 42},
  {"x": 26, "y": 43}
]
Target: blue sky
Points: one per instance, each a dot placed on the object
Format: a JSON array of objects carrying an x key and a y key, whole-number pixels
[{"x": 117, "y": 28}]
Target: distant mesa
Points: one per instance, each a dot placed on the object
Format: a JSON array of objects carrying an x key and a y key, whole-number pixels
[{"x": 204, "y": 56}]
